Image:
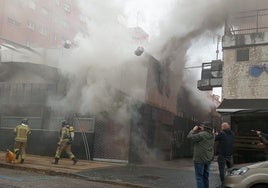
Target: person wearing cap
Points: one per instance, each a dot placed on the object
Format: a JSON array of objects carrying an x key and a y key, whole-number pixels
[
  {"x": 203, "y": 140},
  {"x": 264, "y": 140},
  {"x": 225, "y": 143}
]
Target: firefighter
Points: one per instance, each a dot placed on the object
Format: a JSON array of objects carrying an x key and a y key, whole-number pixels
[
  {"x": 21, "y": 132},
  {"x": 65, "y": 143}
]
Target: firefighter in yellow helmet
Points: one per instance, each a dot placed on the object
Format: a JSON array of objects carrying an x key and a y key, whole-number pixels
[
  {"x": 65, "y": 142},
  {"x": 21, "y": 136}
]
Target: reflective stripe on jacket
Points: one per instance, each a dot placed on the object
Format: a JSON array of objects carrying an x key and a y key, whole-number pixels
[
  {"x": 65, "y": 134},
  {"x": 22, "y": 132}
]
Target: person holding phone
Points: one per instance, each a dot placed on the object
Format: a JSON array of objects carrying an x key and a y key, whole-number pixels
[{"x": 203, "y": 140}]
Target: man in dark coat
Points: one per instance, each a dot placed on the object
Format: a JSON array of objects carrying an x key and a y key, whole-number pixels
[
  {"x": 264, "y": 140},
  {"x": 225, "y": 139}
]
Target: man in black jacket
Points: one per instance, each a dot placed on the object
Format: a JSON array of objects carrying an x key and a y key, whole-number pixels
[
  {"x": 225, "y": 139},
  {"x": 264, "y": 140}
]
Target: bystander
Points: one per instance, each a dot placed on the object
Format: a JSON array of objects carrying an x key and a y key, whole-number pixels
[
  {"x": 225, "y": 142},
  {"x": 203, "y": 140}
]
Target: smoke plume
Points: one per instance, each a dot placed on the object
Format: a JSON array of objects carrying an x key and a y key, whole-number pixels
[{"x": 103, "y": 62}]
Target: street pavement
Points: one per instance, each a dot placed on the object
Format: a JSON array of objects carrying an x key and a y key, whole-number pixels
[{"x": 164, "y": 174}]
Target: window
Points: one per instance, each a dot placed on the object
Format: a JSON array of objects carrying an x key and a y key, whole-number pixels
[
  {"x": 67, "y": 7},
  {"x": 32, "y": 4},
  {"x": 55, "y": 36},
  {"x": 44, "y": 11},
  {"x": 28, "y": 44},
  {"x": 57, "y": 2},
  {"x": 18, "y": 2},
  {"x": 65, "y": 25},
  {"x": 31, "y": 25},
  {"x": 83, "y": 18},
  {"x": 43, "y": 30},
  {"x": 242, "y": 54},
  {"x": 13, "y": 22}
]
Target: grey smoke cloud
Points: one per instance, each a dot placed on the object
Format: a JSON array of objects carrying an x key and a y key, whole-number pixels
[
  {"x": 104, "y": 62},
  {"x": 185, "y": 24},
  {"x": 105, "y": 56}
]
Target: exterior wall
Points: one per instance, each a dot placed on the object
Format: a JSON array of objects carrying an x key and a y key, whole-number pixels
[
  {"x": 237, "y": 82},
  {"x": 154, "y": 84},
  {"x": 161, "y": 90}
]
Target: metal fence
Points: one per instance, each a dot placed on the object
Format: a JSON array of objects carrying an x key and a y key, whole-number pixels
[
  {"x": 86, "y": 125},
  {"x": 26, "y": 93},
  {"x": 247, "y": 22}
]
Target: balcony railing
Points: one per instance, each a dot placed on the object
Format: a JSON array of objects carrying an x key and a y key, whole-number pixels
[{"x": 247, "y": 22}]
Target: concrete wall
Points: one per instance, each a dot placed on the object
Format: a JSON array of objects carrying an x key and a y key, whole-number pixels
[{"x": 237, "y": 82}]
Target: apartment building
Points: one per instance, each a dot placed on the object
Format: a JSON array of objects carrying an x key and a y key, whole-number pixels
[{"x": 41, "y": 23}]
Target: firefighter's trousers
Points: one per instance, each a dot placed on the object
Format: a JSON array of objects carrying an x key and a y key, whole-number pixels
[
  {"x": 64, "y": 146},
  {"x": 21, "y": 147}
]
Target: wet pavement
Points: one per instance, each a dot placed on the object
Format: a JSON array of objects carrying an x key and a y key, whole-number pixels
[{"x": 168, "y": 174}]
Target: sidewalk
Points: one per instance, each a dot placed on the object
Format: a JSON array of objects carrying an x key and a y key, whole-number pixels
[
  {"x": 161, "y": 174},
  {"x": 44, "y": 164}
]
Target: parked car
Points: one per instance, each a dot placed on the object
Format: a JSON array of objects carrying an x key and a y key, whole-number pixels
[{"x": 251, "y": 176}]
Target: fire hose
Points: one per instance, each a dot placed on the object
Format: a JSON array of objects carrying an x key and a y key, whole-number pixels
[{"x": 84, "y": 137}]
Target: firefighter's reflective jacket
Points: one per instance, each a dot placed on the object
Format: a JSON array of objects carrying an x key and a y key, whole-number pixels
[
  {"x": 21, "y": 133},
  {"x": 66, "y": 134},
  {"x": 71, "y": 129}
]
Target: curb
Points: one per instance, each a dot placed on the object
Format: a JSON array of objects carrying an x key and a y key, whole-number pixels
[{"x": 73, "y": 175}]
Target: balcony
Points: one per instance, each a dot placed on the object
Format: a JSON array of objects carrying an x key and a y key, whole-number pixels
[{"x": 211, "y": 75}]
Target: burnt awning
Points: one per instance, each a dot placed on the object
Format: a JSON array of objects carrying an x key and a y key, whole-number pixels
[{"x": 239, "y": 105}]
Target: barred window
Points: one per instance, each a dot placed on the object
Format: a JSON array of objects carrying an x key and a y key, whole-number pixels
[
  {"x": 31, "y": 25},
  {"x": 242, "y": 54},
  {"x": 13, "y": 22}
]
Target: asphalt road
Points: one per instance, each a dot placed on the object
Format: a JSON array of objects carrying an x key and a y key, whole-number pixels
[
  {"x": 13, "y": 178},
  {"x": 151, "y": 176},
  {"x": 115, "y": 177}
]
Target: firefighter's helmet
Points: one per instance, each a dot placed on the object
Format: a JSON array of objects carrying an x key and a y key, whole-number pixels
[
  {"x": 64, "y": 123},
  {"x": 24, "y": 121}
]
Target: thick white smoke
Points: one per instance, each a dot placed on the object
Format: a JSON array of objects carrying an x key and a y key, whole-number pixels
[
  {"x": 105, "y": 57},
  {"x": 103, "y": 62}
]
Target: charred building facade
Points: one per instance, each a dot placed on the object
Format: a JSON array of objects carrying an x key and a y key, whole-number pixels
[{"x": 160, "y": 116}]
